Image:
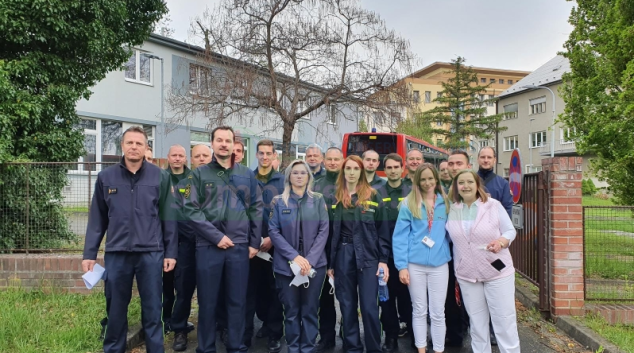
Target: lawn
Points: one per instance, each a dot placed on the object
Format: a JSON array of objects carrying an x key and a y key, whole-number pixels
[
  {"x": 620, "y": 335},
  {"x": 609, "y": 250},
  {"x": 50, "y": 320}
]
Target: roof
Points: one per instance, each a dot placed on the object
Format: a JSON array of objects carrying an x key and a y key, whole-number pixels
[
  {"x": 445, "y": 65},
  {"x": 548, "y": 74}
]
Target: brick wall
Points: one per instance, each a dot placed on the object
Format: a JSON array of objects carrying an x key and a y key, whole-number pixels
[
  {"x": 566, "y": 235},
  {"x": 51, "y": 270},
  {"x": 614, "y": 313}
]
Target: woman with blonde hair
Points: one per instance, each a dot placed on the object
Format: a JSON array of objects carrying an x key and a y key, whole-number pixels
[
  {"x": 482, "y": 231},
  {"x": 359, "y": 253},
  {"x": 298, "y": 228},
  {"x": 421, "y": 254}
]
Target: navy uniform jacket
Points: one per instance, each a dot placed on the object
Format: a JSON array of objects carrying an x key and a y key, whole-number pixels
[
  {"x": 284, "y": 230},
  {"x": 179, "y": 191},
  {"x": 371, "y": 237},
  {"x": 273, "y": 187},
  {"x": 392, "y": 198},
  {"x": 377, "y": 182},
  {"x": 327, "y": 186},
  {"x": 224, "y": 202},
  {"x": 321, "y": 173},
  {"x": 499, "y": 189},
  {"x": 133, "y": 209}
]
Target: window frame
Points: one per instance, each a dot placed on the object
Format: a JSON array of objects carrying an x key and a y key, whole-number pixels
[
  {"x": 427, "y": 97},
  {"x": 532, "y": 140},
  {"x": 506, "y": 143},
  {"x": 332, "y": 114},
  {"x": 137, "y": 53}
]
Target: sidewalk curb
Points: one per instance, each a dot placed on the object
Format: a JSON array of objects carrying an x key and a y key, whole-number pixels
[
  {"x": 136, "y": 336},
  {"x": 571, "y": 326}
]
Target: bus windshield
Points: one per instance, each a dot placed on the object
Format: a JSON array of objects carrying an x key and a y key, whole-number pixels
[{"x": 382, "y": 144}]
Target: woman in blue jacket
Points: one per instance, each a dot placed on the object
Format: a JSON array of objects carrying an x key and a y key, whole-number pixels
[
  {"x": 298, "y": 227},
  {"x": 421, "y": 253}
]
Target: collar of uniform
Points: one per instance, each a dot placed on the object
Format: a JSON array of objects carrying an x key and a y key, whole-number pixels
[
  {"x": 124, "y": 166},
  {"x": 269, "y": 176},
  {"x": 214, "y": 161},
  {"x": 332, "y": 176}
]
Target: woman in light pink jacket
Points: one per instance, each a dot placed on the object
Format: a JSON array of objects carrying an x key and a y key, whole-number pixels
[{"x": 481, "y": 232}]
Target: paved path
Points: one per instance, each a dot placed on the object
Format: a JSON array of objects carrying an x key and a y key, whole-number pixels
[{"x": 536, "y": 336}]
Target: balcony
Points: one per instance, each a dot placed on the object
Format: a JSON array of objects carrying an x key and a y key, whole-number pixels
[{"x": 562, "y": 148}]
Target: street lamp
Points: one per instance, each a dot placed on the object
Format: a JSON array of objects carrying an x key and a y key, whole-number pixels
[
  {"x": 530, "y": 134},
  {"x": 552, "y": 139},
  {"x": 162, "y": 100}
]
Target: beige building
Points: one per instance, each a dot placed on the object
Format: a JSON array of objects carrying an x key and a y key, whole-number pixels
[{"x": 530, "y": 120}]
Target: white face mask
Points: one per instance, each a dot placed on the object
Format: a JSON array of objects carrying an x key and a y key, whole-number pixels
[{"x": 299, "y": 279}]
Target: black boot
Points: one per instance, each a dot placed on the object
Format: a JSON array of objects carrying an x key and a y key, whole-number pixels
[
  {"x": 274, "y": 345},
  {"x": 324, "y": 344},
  {"x": 180, "y": 341},
  {"x": 391, "y": 345}
]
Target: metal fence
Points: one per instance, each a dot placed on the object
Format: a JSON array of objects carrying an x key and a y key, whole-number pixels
[
  {"x": 530, "y": 247},
  {"x": 608, "y": 243},
  {"x": 44, "y": 206}
]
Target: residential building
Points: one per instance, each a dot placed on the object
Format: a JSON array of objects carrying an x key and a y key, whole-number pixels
[{"x": 530, "y": 120}]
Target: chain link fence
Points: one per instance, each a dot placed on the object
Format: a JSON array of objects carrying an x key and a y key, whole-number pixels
[
  {"x": 609, "y": 252},
  {"x": 44, "y": 206}
]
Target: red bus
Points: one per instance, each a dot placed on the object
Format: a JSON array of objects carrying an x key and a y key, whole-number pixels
[{"x": 384, "y": 143}]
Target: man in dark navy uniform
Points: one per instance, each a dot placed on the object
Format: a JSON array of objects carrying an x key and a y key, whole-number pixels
[
  {"x": 130, "y": 204},
  {"x": 393, "y": 193},
  {"x": 315, "y": 159},
  {"x": 371, "y": 164},
  {"x": 225, "y": 210},
  {"x": 262, "y": 295},
  {"x": 326, "y": 186}
]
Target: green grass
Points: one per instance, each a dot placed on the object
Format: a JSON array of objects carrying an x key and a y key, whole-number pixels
[
  {"x": 76, "y": 209},
  {"x": 595, "y": 201},
  {"x": 50, "y": 320},
  {"x": 620, "y": 335}
]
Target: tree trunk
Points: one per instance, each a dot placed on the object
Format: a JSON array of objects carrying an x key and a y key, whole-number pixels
[{"x": 287, "y": 156}]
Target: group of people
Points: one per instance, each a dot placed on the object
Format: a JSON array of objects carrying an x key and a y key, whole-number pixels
[{"x": 282, "y": 245}]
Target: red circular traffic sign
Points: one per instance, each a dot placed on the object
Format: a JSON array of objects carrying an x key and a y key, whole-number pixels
[{"x": 515, "y": 175}]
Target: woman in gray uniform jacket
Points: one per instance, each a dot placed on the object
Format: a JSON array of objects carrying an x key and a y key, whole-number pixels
[{"x": 298, "y": 227}]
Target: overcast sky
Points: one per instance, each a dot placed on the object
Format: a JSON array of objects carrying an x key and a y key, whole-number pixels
[{"x": 502, "y": 34}]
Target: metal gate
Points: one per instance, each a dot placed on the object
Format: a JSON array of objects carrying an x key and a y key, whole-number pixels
[{"x": 530, "y": 247}]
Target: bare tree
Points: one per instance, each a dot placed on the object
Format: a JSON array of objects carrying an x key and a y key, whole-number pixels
[{"x": 281, "y": 60}]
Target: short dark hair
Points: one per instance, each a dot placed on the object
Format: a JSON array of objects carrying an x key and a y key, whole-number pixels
[
  {"x": 414, "y": 149},
  {"x": 137, "y": 129},
  {"x": 368, "y": 151},
  {"x": 442, "y": 161},
  {"x": 226, "y": 128},
  {"x": 489, "y": 147},
  {"x": 238, "y": 141},
  {"x": 457, "y": 152},
  {"x": 265, "y": 142},
  {"x": 395, "y": 157}
]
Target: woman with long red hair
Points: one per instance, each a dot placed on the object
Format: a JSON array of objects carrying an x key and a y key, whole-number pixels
[{"x": 360, "y": 249}]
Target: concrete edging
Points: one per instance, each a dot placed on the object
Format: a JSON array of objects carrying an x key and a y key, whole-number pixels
[
  {"x": 136, "y": 336},
  {"x": 571, "y": 326}
]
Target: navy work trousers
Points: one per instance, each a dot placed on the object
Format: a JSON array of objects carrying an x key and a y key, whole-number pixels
[
  {"x": 300, "y": 311},
  {"x": 347, "y": 279},
  {"x": 262, "y": 298},
  {"x": 211, "y": 263},
  {"x": 121, "y": 268},
  {"x": 185, "y": 284},
  {"x": 389, "y": 315},
  {"x": 327, "y": 313},
  {"x": 168, "y": 296}
]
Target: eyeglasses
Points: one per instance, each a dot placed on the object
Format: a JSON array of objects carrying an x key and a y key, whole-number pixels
[{"x": 299, "y": 173}]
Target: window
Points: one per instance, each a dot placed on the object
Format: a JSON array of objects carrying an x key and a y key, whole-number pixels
[
  {"x": 491, "y": 100},
  {"x": 199, "y": 80},
  {"x": 484, "y": 143},
  {"x": 303, "y": 105},
  {"x": 483, "y": 80},
  {"x": 506, "y": 172},
  {"x": 538, "y": 139},
  {"x": 537, "y": 105},
  {"x": 533, "y": 169},
  {"x": 416, "y": 96},
  {"x": 510, "y": 82},
  {"x": 438, "y": 142},
  {"x": 492, "y": 80},
  {"x": 200, "y": 138},
  {"x": 245, "y": 160},
  {"x": 138, "y": 68},
  {"x": 332, "y": 114},
  {"x": 438, "y": 94},
  {"x": 510, "y": 111},
  {"x": 566, "y": 135},
  {"x": 481, "y": 99},
  {"x": 510, "y": 143},
  {"x": 438, "y": 123},
  {"x": 501, "y": 81},
  {"x": 427, "y": 97}
]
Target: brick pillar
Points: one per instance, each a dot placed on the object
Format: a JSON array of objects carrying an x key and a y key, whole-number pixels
[{"x": 566, "y": 235}]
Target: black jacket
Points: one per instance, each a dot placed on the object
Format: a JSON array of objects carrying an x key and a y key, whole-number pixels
[
  {"x": 498, "y": 187},
  {"x": 273, "y": 187},
  {"x": 392, "y": 198},
  {"x": 371, "y": 238},
  {"x": 224, "y": 202},
  {"x": 133, "y": 209},
  {"x": 179, "y": 190}
]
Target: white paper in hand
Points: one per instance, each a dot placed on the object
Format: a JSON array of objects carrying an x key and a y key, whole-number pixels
[
  {"x": 299, "y": 279},
  {"x": 264, "y": 256},
  {"x": 92, "y": 278}
]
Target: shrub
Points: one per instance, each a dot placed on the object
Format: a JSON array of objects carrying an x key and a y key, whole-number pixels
[{"x": 588, "y": 187}]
